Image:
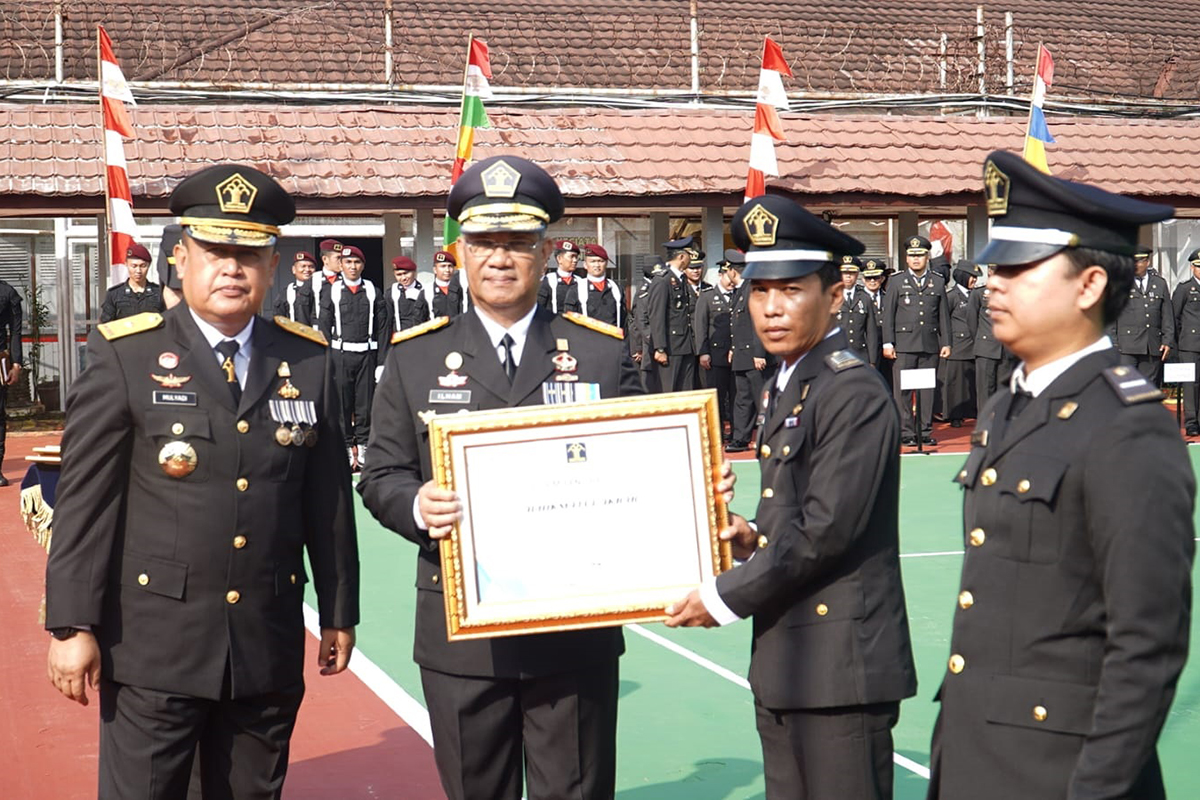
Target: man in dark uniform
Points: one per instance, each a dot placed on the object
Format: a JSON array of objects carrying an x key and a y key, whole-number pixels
[
  {"x": 750, "y": 361},
  {"x": 993, "y": 362},
  {"x": 445, "y": 295},
  {"x": 1071, "y": 623},
  {"x": 916, "y": 333},
  {"x": 354, "y": 318},
  {"x": 558, "y": 289},
  {"x": 959, "y": 380},
  {"x": 640, "y": 348},
  {"x": 695, "y": 275},
  {"x": 856, "y": 315},
  {"x": 200, "y": 462},
  {"x": 1185, "y": 305},
  {"x": 135, "y": 295},
  {"x": 831, "y": 658},
  {"x": 713, "y": 324},
  {"x": 598, "y": 296},
  {"x": 406, "y": 299},
  {"x": 1145, "y": 330},
  {"x": 10, "y": 355},
  {"x": 874, "y": 275},
  {"x": 669, "y": 321},
  {"x": 330, "y": 251},
  {"x": 547, "y": 701},
  {"x": 296, "y": 303}
]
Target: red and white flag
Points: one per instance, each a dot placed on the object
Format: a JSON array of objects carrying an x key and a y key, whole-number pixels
[
  {"x": 114, "y": 94},
  {"x": 767, "y": 128}
]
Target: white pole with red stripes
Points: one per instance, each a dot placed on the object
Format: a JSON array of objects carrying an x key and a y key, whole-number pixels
[
  {"x": 114, "y": 93},
  {"x": 767, "y": 128}
]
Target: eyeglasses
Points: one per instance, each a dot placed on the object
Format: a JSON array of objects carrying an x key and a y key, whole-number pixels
[{"x": 482, "y": 248}]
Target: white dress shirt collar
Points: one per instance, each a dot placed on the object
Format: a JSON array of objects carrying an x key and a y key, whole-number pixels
[
  {"x": 519, "y": 332},
  {"x": 1040, "y": 379},
  {"x": 241, "y": 361}
]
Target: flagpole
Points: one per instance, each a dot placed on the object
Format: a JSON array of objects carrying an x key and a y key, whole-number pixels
[
  {"x": 462, "y": 110},
  {"x": 1032, "y": 92},
  {"x": 103, "y": 238}
]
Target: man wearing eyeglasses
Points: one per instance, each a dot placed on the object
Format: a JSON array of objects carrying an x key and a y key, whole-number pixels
[{"x": 542, "y": 706}]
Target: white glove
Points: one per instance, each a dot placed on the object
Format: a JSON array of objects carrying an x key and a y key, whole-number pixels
[{"x": 378, "y": 372}]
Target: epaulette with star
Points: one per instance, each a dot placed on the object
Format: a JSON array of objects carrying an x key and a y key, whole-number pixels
[
  {"x": 1131, "y": 386},
  {"x": 302, "y": 330},
  {"x": 843, "y": 360},
  {"x": 594, "y": 324},
  {"x": 417, "y": 330},
  {"x": 138, "y": 323}
]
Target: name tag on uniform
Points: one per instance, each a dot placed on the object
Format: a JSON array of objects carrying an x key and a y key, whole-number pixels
[
  {"x": 449, "y": 395},
  {"x": 791, "y": 422},
  {"x": 174, "y": 398}
]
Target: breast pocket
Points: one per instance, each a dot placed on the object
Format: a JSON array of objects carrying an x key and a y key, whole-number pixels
[
  {"x": 1029, "y": 486},
  {"x": 182, "y": 437}
]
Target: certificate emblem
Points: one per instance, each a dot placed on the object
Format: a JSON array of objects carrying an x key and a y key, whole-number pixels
[{"x": 576, "y": 453}]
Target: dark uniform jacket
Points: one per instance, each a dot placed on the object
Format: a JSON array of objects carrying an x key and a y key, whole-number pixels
[
  {"x": 407, "y": 308},
  {"x": 1185, "y": 305},
  {"x": 830, "y": 627},
  {"x": 746, "y": 344},
  {"x": 557, "y": 296},
  {"x": 179, "y": 576},
  {"x": 356, "y": 320},
  {"x": 1072, "y": 623},
  {"x": 1147, "y": 321},
  {"x": 669, "y": 315},
  {"x": 713, "y": 325},
  {"x": 857, "y": 319},
  {"x": 639, "y": 322},
  {"x": 10, "y": 321},
  {"x": 979, "y": 321},
  {"x": 916, "y": 319},
  {"x": 607, "y": 305},
  {"x": 121, "y": 301},
  {"x": 962, "y": 337},
  {"x": 448, "y": 303},
  {"x": 297, "y": 304}
]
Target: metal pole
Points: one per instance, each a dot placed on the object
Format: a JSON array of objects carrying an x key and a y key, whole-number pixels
[
  {"x": 58, "y": 42},
  {"x": 695, "y": 55},
  {"x": 917, "y": 423},
  {"x": 942, "y": 62},
  {"x": 387, "y": 41},
  {"x": 1008, "y": 51},
  {"x": 979, "y": 43}
]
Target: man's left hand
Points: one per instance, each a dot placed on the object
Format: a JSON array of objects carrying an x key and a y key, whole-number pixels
[
  {"x": 1163, "y": 349},
  {"x": 944, "y": 352},
  {"x": 690, "y": 613},
  {"x": 14, "y": 372},
  {"x": 336, "y": 646}
]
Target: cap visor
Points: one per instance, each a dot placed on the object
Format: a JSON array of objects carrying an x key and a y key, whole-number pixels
[
  {"x": 780, "y": 270},
  {"x": 493, "y": 223},
  {"x": 1003, "y": 253},
  {"x": 234, "y": 236}
]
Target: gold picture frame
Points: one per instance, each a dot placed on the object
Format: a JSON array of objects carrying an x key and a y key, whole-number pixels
[{"x": 627, "y": 485}]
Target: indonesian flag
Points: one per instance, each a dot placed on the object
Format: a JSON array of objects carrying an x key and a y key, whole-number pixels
[
  {"x": 767, "y": 128},
  {"x": 1038, "y": 134},
  {"x": 476, "y": 89},
  {"x": 114, "y": 93}
]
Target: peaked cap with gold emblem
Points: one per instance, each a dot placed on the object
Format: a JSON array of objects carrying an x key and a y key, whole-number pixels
[
  {"x": 874, "y": 267},
  {"x": 232, "y": 204},
  {"x": 1035, "y": 215},
  {"x": 782, "y": 240},
  {"x": 505, "y": 193}
]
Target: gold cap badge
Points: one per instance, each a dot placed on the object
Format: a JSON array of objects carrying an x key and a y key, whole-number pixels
[
  {"x": 236, "y": 195},
  {"x": 995, "y": 186},
  {"x": 760, "y": 226},
  {"x": 500, "y": 180}
]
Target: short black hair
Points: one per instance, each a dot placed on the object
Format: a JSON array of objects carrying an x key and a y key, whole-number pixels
[
  {"x": 1120, "y": 271},
  {"x": 830, "y": 273}
]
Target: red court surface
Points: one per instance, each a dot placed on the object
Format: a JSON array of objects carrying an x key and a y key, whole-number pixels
[{"x": 348, "y": 745}]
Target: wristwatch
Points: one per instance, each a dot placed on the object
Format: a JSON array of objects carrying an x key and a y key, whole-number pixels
[{"x": 63, "y": 634}]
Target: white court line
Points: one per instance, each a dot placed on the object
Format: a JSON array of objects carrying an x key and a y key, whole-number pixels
[
  {"x": 937, "y": 553},
  {"x": 399, "y": 701},
  {"x": 733, "y": 677},
  {"x": 927, "y": 453}
]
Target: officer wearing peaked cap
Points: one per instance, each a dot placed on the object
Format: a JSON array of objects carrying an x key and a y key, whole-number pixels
[
  {"x": 136, "y": 294},
  {"x": 874, "y": 277},
  {"x": 640, "y": 348},
  {"x": 669, "y": 320},
  {"x": 1071, "y": 623},
  {"x": 958, "y": 378},
  {"x": 856, "y": 316},
  {"x": 542, "y": 705},
  {"x": 825, "y": 577},
  {"x": 749, "y": 360},
  {"x": 200, "y": 465},
  {"x": 1185, "y": 307},
  {"x": 1144, "y": 331}
]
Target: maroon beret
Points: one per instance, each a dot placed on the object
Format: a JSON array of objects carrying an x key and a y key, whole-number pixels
[
  {"x": 350, "y": 250},
  {"x": 566, "y": 246},
  {"x": 330, "y": 246},
  {"x": 444, "y": 257},
  {"x": 304, "y": 256},
  {"x": 404, "y": 263},
  {"x": 595, "y": 250},
  {"x": 137, "y": 251}
]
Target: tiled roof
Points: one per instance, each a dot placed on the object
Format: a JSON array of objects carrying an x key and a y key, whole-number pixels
[
  {"x": 381, "y": 158},
  {"x": 1101, "y": 47}
]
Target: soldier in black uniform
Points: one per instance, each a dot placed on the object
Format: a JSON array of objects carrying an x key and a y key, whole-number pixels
[
  {"x": 407, "y": 307},
  {"x": 916, "y": 333},
  {"x": 330, "y": 251},
  {"x": 354, "y": 318},
  {"x": 1145, "y": 330},
  {"x": 959, "y": 379},
  {"x": 135, "y": 295},
  {"x": 296, "y": 303},
  {"x": 831, "y": 658},
  {"x": 558, "y": 290},
  {"x": 669, "y": 321},
  {"x": 750, "y": 361},
  {"x": 598, "y": 296},
  {"x": 640, "y": 348},
  {"x": 993, "y": 362},
  {"x": 445, "y": 295},
  {"x": 547, "y": 701},
  {"x": 856, "y": 315},
  {"x": 874, "y": 275},
  {"x": 10, "y": 355},
  {"x": 713, "y": 324},
  {"x": 1185, "y": 305},
  {"x": 200, "y": 463},
  {"x": 1071, "y": 623}
]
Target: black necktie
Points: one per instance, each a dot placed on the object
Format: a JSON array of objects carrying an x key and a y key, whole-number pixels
[
  {"x": 1020, "y": 399},
  {"x": 228, "y": 349},
  {"x": 510, "y": 366}
]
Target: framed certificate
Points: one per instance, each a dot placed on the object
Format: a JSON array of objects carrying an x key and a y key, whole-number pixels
[{"x": 579, "y": 516}]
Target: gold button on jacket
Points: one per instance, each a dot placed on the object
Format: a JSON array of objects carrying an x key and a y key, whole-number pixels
[
  {"x": 242, "y": 484},
  {"x": 243, "y": 426},
  {"x": 232, "y": 596},
  {"x": 988, "y": 477},
  {"x": 143, "y": 579},
  {"x": 1040, "y": 713},
  {"x": 977, "y": 537},
  {"x": 957, "y": 663},
  {"x": 966, "y": 599},
  {"x": 239, "y": 542}
]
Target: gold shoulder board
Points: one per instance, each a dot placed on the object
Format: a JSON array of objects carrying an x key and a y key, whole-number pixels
[
  {"x": 1131, "y": 386},
  {"x": 424, "y": 327},
  {"x": 594, "y": 324},
  {"x": 138, "y": 323},
  {"x": 843, "y": 360},
  {"x": 302, "y": 330}
]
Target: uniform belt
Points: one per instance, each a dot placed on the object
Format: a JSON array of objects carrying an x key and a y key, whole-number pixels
[{"x": 354, "y": 347}]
